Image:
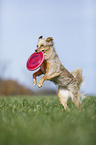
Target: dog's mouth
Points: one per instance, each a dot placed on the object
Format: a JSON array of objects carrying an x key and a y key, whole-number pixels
[{"x": 37, "y": 51}]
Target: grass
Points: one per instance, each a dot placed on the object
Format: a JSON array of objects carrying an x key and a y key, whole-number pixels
[{"x": 43, "y": 121}]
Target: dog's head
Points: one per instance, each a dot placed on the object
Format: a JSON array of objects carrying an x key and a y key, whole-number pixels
[{"x": 45, "y": 45}]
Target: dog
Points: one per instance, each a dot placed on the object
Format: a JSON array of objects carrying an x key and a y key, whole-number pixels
[{"x": 53, "y": 70}]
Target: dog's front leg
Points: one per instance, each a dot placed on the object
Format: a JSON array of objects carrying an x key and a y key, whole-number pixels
[
  {"x": 46, "y": 77},
  {"x": 38, "y": 73}
]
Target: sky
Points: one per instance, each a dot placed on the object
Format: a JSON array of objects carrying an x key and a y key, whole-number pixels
[{"x": 71, "y": 23}]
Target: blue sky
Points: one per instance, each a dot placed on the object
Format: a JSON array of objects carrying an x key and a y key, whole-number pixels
[{"x": 71, "y": 23}]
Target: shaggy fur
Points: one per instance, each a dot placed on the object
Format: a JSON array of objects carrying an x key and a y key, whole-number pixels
[{"x": 68, "y": 83}]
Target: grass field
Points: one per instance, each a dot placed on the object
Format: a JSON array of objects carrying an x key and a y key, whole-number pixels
[{"x": 43, "y": 121}]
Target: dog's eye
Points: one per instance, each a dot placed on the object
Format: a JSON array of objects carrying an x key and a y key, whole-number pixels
[{"x": 42, "y": 45}]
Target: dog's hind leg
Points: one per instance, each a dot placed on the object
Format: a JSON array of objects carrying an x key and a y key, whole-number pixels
[
  {"x": 76, "y": 101},
  {"x": 75, "y": 95},
  {"x": 63, "y": 95}
]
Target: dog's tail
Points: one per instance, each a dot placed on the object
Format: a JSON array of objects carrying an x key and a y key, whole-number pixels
[{"x": 77, "y": 73}]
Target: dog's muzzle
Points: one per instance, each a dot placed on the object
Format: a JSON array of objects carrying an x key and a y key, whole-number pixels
[{"x": 36, "y": 50}]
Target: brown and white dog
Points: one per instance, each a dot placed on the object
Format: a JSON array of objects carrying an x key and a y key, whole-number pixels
[{"x": 68, "y": 83}]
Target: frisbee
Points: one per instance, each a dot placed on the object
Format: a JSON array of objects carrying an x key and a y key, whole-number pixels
[{"x": 35, "y": 60}]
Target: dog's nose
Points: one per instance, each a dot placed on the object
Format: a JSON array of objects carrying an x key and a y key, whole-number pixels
[{"x": 36, "y": 50}]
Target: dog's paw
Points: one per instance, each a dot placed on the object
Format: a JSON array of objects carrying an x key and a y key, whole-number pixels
[
  {"x": 40, "y": 84},
  {"x": 67, "y": 109},
  {"x": 34, "y": 82}
]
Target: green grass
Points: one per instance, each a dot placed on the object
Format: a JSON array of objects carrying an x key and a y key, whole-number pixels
[{"x": 43, "y": 121}]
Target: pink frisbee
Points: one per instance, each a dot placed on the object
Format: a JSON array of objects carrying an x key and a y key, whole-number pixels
[{"x": 35, "y": 60}]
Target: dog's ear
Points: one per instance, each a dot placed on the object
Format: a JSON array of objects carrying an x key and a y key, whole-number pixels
[
  {"x": 40, "y": 37},
  {"x": 49, "y": 39}
]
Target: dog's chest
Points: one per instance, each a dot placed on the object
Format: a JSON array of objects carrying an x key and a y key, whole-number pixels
[{"x": 43, "y": 67}]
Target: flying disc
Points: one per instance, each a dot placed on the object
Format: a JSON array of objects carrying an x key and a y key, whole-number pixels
[{"x": 35, "y": 60}]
